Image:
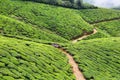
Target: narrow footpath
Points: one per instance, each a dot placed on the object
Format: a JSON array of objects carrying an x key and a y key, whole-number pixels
[
  {"x": 78, "y": 74},
  {"x": 76, "y": 71},
  {"x": 84, "y": 36}
]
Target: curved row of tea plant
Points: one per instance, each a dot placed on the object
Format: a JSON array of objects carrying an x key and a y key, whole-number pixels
[
  {"x": 23, "y": 60},
  {"x": 99, "y": 59},
  {"x": 110, "y": 27},
  {"x": 96, "y": 15},
  {"x": 64, "y": 22},
  {"x": 106, "y": 29},
  {"x": 9, "y": 26}
]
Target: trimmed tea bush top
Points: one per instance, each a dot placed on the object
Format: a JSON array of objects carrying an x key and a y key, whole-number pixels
[
  {"x": 25, "y": 60},
  {"x": 98, "y": 57},
  {"x": 62, "y": 21}
]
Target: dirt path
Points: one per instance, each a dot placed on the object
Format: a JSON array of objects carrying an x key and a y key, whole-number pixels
[
  {"x": 84, "y": 36},
  {"x": 78, "y": 74}
]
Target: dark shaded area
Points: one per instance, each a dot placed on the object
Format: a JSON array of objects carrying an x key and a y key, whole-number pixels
[{"x": 75, "y": 4}]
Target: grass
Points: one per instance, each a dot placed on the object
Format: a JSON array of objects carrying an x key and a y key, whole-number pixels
[
  {"x": 26, "y": 60},
  {"x": 62, "y": 21},
  {"x": 96, "y": 15},
  {"x": 98, "y": 58},
  {"x": 9, "y": 26}
]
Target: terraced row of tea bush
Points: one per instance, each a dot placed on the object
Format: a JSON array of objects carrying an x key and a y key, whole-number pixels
[
  {"x": 110, "y": 27},
  {"x": 99, "y": 59},
  {"x": 23, "y": 60},
  {"x": 96, "y": 15},
  {"x": 9, "y": 26},
  {"x": 106, "y": 29},
  {"x": 64, "y": 22}
]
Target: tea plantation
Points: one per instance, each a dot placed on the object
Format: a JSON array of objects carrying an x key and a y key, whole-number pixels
[
  {"x": 62, "y": 21},
  {"x": 107, "y": 29},
  {"x": 23, "y": 60},
  {"x": 97, "y": 15},
  {"x": 36, "y": 40},
  {"x": 9, "y": 26},
  {"x": 99, "y": 59},
  {"x": 111, "y": 27}
]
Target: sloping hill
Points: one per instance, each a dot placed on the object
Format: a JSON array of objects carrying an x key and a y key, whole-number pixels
[
  {"x": 29, "y": 30},
  {"x": 106, "y": 29},
  {"x": 111, "y": 27},
  {"x": 9, "y": 26},
  {"x": 98, "y": 58},
  {"x": 99, "y": 15},
  {"x": 64, "y": 22},
  {"x": 106, "y": 21},
  {"x": 23, "y": 60}
]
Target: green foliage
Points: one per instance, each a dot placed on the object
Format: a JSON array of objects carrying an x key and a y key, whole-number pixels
[
  {"x": 23, "y": 60},
  {"x": 9, "y": 26},
  {"x": 62, "y": 21},
  {"x": 98, "y": 59},
  {"x": 96, "y": 15},
  {"x": 110, "y": 27}
]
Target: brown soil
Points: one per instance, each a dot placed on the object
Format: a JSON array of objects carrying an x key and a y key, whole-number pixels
[
  {"x": 78, "y": 74},
  {"x": 84, "y": 36},
  {"x": 76, "y": 71}
]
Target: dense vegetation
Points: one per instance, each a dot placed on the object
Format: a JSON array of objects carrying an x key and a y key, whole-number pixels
[
  {"x": 98, "y": 58},
  {"x": 9, "y": 26},
  {"x": 97, "y": 15},
  {"x": 110, "y": 27},
  {"x": 23, "y": 60},
  {"x": 64, "y": 22},
  {"x": 34, "y": 25}
]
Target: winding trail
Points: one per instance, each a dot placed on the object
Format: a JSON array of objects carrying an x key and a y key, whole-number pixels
[
  {"x": 84, "y": 36},
  {"x": 78, "y": 74},
  {"x": 76, "y": 71}
]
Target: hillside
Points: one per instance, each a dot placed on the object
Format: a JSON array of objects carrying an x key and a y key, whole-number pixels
[
  {"x": 31, "y": 61},
  {"x": 106, "y": 21},
  {"x": 13, "y": 27},
  {"x": 98, "y": 58},
  {"x": 48, "y": 41},
  {"x": 99, "y": 15},
  {"x": 62, "y": 21},
  {"x": 111, "y": 27}
]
